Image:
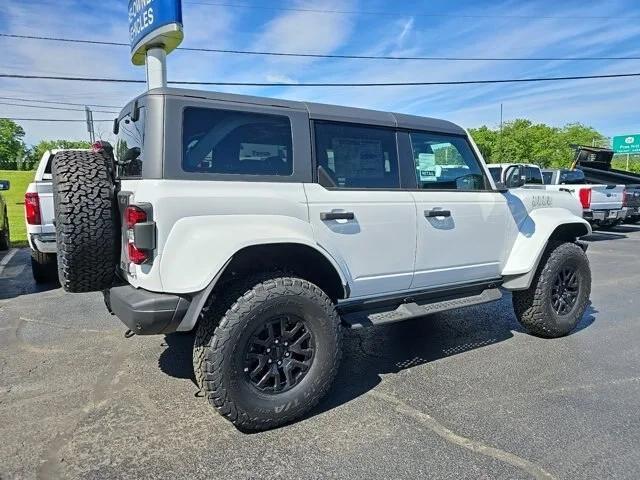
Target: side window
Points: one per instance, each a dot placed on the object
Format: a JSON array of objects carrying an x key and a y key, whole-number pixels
[
  {"x": 129, "y": 149},
  {"x": 534, "y": 176},
  {"x": 357, "y": 156},
  {"x": 445, "y": 162},
  {"x": 222, "y": 141},
  {"x": 547, "y": 177}
]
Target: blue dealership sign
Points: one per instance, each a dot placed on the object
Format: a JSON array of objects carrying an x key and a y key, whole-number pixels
[{"x": 154, "y": 22}]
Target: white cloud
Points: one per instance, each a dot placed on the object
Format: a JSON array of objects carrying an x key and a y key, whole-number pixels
[{"x": 606, "y": 104}]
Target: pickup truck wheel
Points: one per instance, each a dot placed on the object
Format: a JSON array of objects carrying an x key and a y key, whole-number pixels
[
  {"x": 558, "y": 296},
  {"x": 44, "y": 267},
  {"x": 5, "y": 235},
  {"x": 272, "y": 356},
  {"x": 86, "y": 220}
]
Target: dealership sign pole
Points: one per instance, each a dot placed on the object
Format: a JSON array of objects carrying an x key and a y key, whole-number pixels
[{"x": 155, "y": 29}]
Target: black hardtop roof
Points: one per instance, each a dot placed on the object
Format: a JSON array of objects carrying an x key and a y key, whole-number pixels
[{"x": 320, "y": 111}]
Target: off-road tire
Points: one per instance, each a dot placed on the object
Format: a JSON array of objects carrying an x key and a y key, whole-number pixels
[
  {"x": 533, "y": 307},
  {"x": 5, "y": 234},
  {"x": 44, "y": 267},
  {"x": 87, "y": 226},
  {"x": 220, "y": 344}
]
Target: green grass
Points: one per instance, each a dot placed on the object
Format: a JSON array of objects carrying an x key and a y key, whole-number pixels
[{"x": 15, "y": 204}]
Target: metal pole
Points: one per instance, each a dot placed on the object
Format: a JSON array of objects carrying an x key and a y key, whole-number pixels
[
  {"x": 90, "y": 129},
  {"x": 156, "y": 67}
]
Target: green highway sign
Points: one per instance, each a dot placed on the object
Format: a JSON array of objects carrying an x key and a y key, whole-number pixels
[{"x": 626, "y": 144}]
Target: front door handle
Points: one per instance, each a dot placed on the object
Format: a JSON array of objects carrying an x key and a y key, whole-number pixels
[
  {"x": 336, "y": 216},
  {"x": 437, "y": 213}
]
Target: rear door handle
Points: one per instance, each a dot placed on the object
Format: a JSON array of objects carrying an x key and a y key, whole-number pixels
[
  {"x": 336, "y": 216},
  {"x": 437, "y": 213}
]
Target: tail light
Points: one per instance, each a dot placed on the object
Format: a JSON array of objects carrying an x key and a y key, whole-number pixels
[
  {"x": 625, "y": 198},
  {"x": 32, "y": 208},
  {"x": 585, "y": 197},
  {"x": 140, "y": 234}
]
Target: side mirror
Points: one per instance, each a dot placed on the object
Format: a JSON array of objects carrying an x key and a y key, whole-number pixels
[
  {"x": 131, "y": 154},
  {"x": 5, "y": 184},
  {"x": 514, "y": 176}
]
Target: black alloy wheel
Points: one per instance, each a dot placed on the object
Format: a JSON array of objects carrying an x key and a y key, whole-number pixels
[
  {"x": 279, "y": 354},
  {"x": 565, "y": 290}
]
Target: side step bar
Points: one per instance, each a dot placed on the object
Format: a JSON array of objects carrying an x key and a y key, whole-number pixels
[{"x": 406, "y": 311}]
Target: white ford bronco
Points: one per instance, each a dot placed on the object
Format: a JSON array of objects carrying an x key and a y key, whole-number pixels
[{"x": 269, "y": 225}]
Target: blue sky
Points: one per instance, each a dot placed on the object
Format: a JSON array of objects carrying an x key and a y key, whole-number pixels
[{"x": 469, "y": 28}]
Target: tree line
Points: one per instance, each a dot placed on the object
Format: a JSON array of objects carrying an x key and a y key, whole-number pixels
[
  {"x": 518, "y": 141},
  {"x": 16, "y": 155}
]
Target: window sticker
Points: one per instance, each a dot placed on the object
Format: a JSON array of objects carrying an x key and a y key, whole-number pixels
[{"x": 358, "y": 157}]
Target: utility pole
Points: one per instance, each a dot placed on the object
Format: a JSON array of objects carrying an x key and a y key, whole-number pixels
[{"x": 92, "y": 135}]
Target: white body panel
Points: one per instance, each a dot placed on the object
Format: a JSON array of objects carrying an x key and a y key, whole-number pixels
[
  {"x": 37, "y": 234},
  {"x": 603, "y": 197},
  {"x": 200, "y": 225},
  {"x": 378, "y": 246},
  {"x": 389, "y": 246},
  {"x": 534, "y": 215},
  {"x": 469, "y": 245}
]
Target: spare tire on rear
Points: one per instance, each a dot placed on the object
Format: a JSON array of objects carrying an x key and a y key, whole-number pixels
[{"x": 86, "y": 218}]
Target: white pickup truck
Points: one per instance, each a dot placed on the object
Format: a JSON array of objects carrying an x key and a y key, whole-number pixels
[
  {"x": 602, "y": 205},
  {"x": 39, "y": 214}
]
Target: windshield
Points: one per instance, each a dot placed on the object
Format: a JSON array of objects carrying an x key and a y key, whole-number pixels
[
  {"x": 129, "y": 145},
  {"x": 572, "y": 177}
]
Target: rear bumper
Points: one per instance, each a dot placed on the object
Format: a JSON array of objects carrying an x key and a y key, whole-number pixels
[
  {"x": 633, "y": 212},
  {"x": 43, "y": 242},
  {"x": 144, "y": 312},
  {"x": 604, "y": 215}
]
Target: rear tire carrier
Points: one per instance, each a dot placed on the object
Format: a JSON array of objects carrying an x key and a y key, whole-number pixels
[{"x": 87, "y": 223}]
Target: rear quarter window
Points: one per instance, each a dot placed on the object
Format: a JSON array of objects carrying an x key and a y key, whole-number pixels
[
  {"x": 232, "y": 142},
  {"x": 496, "y": 173}
]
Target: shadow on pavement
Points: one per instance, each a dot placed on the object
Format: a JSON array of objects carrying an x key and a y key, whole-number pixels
[
  {"x": 176, "y": 359},
  {"x": 15, "y": 275},
  {"x": 627, "y": 228},
  {"x": 599, "y": 236},
  {"x": 389, "y": 349}
]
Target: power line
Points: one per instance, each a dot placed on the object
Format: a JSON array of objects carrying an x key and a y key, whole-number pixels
[
  {"x": 339, "y": 84},
  {"x": 334, "y": 56},
  {"x": 49, "y": 120},
  {"x": 394, "y": 14},
  {"x": 53, "y": 108},
  {"x": 34, "y": 100}
]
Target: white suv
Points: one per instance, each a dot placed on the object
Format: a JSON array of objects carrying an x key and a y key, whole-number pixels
[{"x": 267, "y": 225}]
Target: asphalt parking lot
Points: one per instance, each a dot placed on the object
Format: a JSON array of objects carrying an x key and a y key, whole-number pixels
[{"x": 465, "y": 394}]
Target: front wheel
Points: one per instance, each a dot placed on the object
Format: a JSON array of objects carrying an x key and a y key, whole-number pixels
[
  {"x": 272, "y": 356},
  {"x": 557, "y": 298}
]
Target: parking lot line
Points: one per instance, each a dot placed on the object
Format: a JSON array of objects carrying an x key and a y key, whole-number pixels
[{"x": 7, "y": 258}]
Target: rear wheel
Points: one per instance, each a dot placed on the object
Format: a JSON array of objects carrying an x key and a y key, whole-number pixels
[
  {"x": 272, "y": 356},
  {"x": 559, "y": 293},
  {"x": 5, "y": 234},
  {"x": 87, "y": 224},
  {"x": 44, "y": 267}
]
